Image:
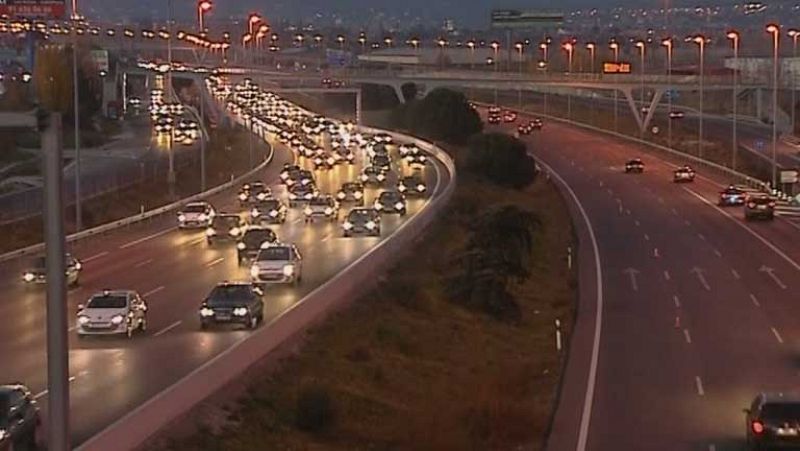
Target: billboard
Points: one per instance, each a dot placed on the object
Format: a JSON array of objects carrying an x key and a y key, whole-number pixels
[
  {"x": 611, "y": 67},
  {"x": 513, "y": 19},
  {"x": 45, "y": 9}
]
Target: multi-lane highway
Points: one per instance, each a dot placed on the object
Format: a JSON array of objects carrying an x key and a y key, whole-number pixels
[
  {"x": 699, "y": 309},
  {"x": 173, "y": 270}
]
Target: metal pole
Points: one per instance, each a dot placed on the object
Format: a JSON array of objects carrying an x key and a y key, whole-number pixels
[
  {"x": 57, "y": 342},
  {"x": 669, "y": 97},
  {"x": 702, "y": 87},
  {"x": 77, "y": 124},
  {"x": 250, "y": 140},
  {"x": 735, "y": 145},
  {"x": 775, "y": 110},
  {"x": 791, "y": 72},
  {"x": 171, "y": 174},
  {"x": 641, "y": 92},
  {"x": 616, "y": 93},
  {"x": 496, "y": 67},
  {"x": 201, "y": 127}
]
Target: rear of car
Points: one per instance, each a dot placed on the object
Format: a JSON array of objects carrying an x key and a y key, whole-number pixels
[
  {"x": 683, "y": 175},
  {"x": 232, "y": 303},
  {"x": 225, "y": 227},
  {"x": 732, "y": 196},
  {"x": 773, "y": 422},
  {"x": 759, "y": 207},
  {"x": 324, "y": 207},
  {"x": 351, "y": 192},
  {"x": 270, "y": 211},
  {"x": 362, "y": 221},
  {"x": 412, "y": 186}
]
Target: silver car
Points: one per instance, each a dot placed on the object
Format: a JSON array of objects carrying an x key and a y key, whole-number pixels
[
  {"x": 277, "y": 263},
  {"x": 112, "y": 312}
]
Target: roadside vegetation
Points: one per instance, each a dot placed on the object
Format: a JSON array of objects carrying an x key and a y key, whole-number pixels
[{"x": 453, "y": 349}]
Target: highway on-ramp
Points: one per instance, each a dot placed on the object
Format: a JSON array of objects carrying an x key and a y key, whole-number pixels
[
  {"x": 699, "y": 308},
  {"x": 173, "y": 270}
]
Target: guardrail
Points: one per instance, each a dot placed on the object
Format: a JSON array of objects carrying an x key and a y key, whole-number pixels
[{"x": 134, "y": 428}]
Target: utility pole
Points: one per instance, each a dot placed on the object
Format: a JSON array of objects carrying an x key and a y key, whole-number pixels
[
  {"x": 57, "y": 342},
  {"x": 77, "y": 119}
]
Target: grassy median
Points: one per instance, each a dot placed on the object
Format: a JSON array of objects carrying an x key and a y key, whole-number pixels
[{"x": 405, "y": 367}]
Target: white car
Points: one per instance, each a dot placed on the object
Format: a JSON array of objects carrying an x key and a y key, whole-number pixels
[
  {"x": 277, "y": 263},
  {"x": 324, "y": 206},
  {"x": 196, "y": 215},
  {"x": 112, "y": 312}
]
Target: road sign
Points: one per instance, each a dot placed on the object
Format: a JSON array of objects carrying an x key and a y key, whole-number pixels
[
  {"x": 789, "y": 176},
  {"x": 611, "y": 67},
  {"x": 511, "y": 18},
  {"x": 47, "y": 9}
]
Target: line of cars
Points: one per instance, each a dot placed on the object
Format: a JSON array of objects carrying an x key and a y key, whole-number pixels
[{"x": 756, "y": 205}]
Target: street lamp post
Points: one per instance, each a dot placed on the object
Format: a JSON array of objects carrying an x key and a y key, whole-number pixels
[
  {"x": 202, "y": 8},
  {"x": 794, "y": 34},
  {"x": 495, "y": 47},
  {"x": 544, "y": 45},
  {"x": 471, "y": 45},
  {"x": 442, "y": 43},
  {"x": 775, "y": 30},
  {"x": 734, "y": 37},
  {"x": 591, "y": 47},
  {"x": 667, "y": 43},
  {"x": 520, "y": 47},
  {"x": 641, "y": 46},
  {"x": 171, "y": 177},
  {"x": 614, "y": 46},
  {"x": 569, "y": 47},
  {"x": 700, "y": 40},
  {"x": 77, "y": 119}
]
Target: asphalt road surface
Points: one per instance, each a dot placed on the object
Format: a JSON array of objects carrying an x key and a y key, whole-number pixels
[
  {"x": 700, "y": 309},
  {"x": 173, "y": 270}
]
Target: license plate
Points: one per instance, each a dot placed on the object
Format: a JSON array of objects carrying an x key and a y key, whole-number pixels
[{"x": 223, "y": 317}]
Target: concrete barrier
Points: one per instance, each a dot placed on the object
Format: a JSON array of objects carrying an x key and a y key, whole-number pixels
[{"x": 134, "y": 428}]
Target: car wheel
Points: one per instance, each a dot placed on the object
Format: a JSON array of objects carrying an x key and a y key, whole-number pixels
[
  {"x": 253, "y": 322},
  {"x": 143, "y": 325},
  {"x": 129, "y": 332}
]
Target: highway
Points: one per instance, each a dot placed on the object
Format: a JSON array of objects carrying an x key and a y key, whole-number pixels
[
  {"x": 699, "y": 309},
  {"x": 173, "y": 270}
]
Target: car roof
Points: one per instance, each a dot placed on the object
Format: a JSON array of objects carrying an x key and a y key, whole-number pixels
[
  {"x": 5, "y": 389},
  {"x": 198, "y": 204},
  {"x": 114, "y": 293},
  {"x": 229, "y": 283},
  {"x": 780, "y": 398}
]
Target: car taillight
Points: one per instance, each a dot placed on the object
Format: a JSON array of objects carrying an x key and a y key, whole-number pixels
[
  {"x": 772, "y": 204},
  {"x": 757, "y": 427},
  {"x": 751, "y": 205}
]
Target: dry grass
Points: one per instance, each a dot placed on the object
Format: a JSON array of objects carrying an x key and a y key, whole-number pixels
[{"x": 407, "y": 369}]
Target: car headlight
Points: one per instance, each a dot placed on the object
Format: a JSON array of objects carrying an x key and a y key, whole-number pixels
[
  {"x": 292, "y": 196},
  {"x": 347, "y": 225},
  {"x": 341, "y": 195},
  {"x": 308, "y": 211},
  {"x": 181, "y": 218},
  {"x": 240, "y": 311},
  {"x": 261, "y": 196},
  {"x": 420, "y": 187},
  {"x": 378, "y": 206},
  {"x": 364, "y": 178},
  {"x": 243, "y": 197},
  {"x": 401, "y": 188},
  {"x": 288, "y": 270},
  {"x": 202, "y": 217},
  {"x": 240, "y": 246},
  {"x": 381, "y": 177},
  {"x": 284, "y": 175},
  {"x": 371, "y": 225},
  {"x": 117, "y": 319},
  {"x": 234, "y": 231},
  {"x": 358, "y": 194},
  {"x": 254, "y": 271},
  {"x": 83, "y": 319},
  {"x": 254, "y": 213},
  {"x": 309, "y": 196},
  {"x": 328, "y": 211},
  {"x": 206, "y": 312},
  {"x": 28, "y": 277},
  {"x": 399, "y": 206}
]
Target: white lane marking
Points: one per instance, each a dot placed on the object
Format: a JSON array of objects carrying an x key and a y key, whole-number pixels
[
  {"x": 755, "y": 300},
  {"x": 747, "y": 229},
  {"x": 699, "y": 384},
  {"x": 687, "y": 336},
  {"x": 197, "y": 241},
  {"x": 701, "y": 236},
  {"x": 326, "y": 237},
  {"x": 142, "y": 263},
  {"x": 215, "y": 262},
  {"x": 94, "y": 257},
  {"x": 717, "y": 253},
  {"x": 735, "y": 274},
  {"x": 610, "y": 191},
  {"x": 777, "y": 335},
  {"x": 153, "y": 291},
  {"x": 627, "y": 212},
  {"x": 666, "y": 275},
  {"x": 168, "y": 328},
  {"x": 632, "y": 272},
  {"x": 771, "y": 273},
  {"x": 677, "y": 301},
  {"x": 637, "y": 223},
  {"x": 71, "y": 378},
  {"x": 44, "y": 392},
  {"x": 591, "y": 380},
  {"x": 646, "y": 237},
  {"x": 148, "y": 237},
  {"x": 700, "y": 272}
]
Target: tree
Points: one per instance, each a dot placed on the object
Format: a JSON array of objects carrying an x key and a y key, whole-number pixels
[
  {"x": 409, "y": 91},
  {"x": 500, "y": 158},
  {"x": 443, "y": 114},
  {"x": 378, "y": 97},
  {"x": 52, "y": 78}
]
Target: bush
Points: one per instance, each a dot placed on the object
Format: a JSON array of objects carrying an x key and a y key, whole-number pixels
[
  {"x": 314, "y": 410},
  {"x": 409, "y": 91},
  {"x": 443, "y": 115},
  {"x": 501, "y": 159},
  {"x": 378, "y": 97}
]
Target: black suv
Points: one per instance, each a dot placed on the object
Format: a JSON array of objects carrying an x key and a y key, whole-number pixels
[
  {"x": 773, "y": 421},
  {"x": 233, "y": 303},
  {"x": 225, "y": 227},
  {"x": 247, "y": 248},
  {"x": 19, "y": 418},
  {"x": 759, "y": 206}
]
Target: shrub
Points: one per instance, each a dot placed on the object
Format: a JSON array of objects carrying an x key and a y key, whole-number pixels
[
  {"x": 501, "y": 159},
  {"x": 443, "y": 115},
  {"x": 314, "y": 410}
]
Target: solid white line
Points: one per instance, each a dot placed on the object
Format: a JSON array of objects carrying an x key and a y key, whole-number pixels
[
  {"x": 646, "y": 237},
  {"x": 153, "y": 291},
  {"x": 142, "y": 263},
  {"x": 666, "y": 275},
  {"x": 591, "y": 381},
  {"x": 168, "y": 328},
  {"x": 717, "y": 253},
  {"x": 755, "y": 300},
  {"x": 677, "y": 301},
  {"x": 699, "y": 384},
  {"x": 675, "y": 212},
  {"x": 748, "y": 229},
  {"x": 94, "y": 257},
  {"x": 148, "y": 237},
  {"x": 701, "y": 236},
  {"x": 777, "y": 335},
  {"x": 735, "y": 274},
  {"x": 215, "y": 262},
  {"x": 687, "y": 336}
]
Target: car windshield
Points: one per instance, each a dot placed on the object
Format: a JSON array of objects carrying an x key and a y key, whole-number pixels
[
  {"x": 350, "y": 187},
  {"x": 761, "y": 200},
  {"x": 300, "y": 189},
  {"x": 372, "y": 170},
  {"x": 108, "y": 301},
  {"x": 781, "y": 411},
  {"x": 268, "y": 205},
  {"x": 272, "y": 253},
  {"x": 359, "y": 215},
  {"x": 194, "y": 208},
  {"x": 254, "y": 238},
  {"x": 412, "y": 180},
  {"x": 321, "y": 201},
  {"x": 229, "y": 294},
  {"x": 389, "y": 196},
  {"x": 732, "y": 191},
  {"x": 257, "y": 186},
  {"x": 380, "y": 159},
  {"x": 305, "y": 174},
  {"x": 225, "y": 222}
]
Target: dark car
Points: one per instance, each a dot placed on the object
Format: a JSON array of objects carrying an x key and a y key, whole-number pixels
[
  {"x": 732, "y": 196},
  {"x": 225, "y": 227},
  {"x": 683, "y": 174},
  {"x": 635, "y": 166},
  {"x": 253, "y": 192},
  {"x": 391, "y": 202},
  {"x": 364, "y": 221},
  {"x": 301, "y": 194},
  {"x": 37, "y": 273},
  {"x": 509, "y": 116},
  {"x": 233, "y": 303},
  {"x": 536, "y": 124},
  {"x": 351, "y": 192},
  {"x": 251, "y": 241},
  {"x": 270, "y": 211},
  {"x": 412, "y": 185},
  {"x": 494, "y": 119},
  {"x": 773, "y": 421},
  {"x": 759, "y": 207},
  {"x": 524, "y": 129},
  {"x": 383, "y": 162},
  {"x": 373, "y": 175},
  {"x": 289, "y": 172},
  {"x": 19, "y": 418}
]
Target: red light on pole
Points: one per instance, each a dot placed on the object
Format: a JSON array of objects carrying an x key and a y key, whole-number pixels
[
  {"x": 252, "y": 21},
  {"x": 202, "y": 8}
]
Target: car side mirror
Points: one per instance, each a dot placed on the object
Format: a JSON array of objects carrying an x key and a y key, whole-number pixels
[{"x": 80, "y": 307}]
